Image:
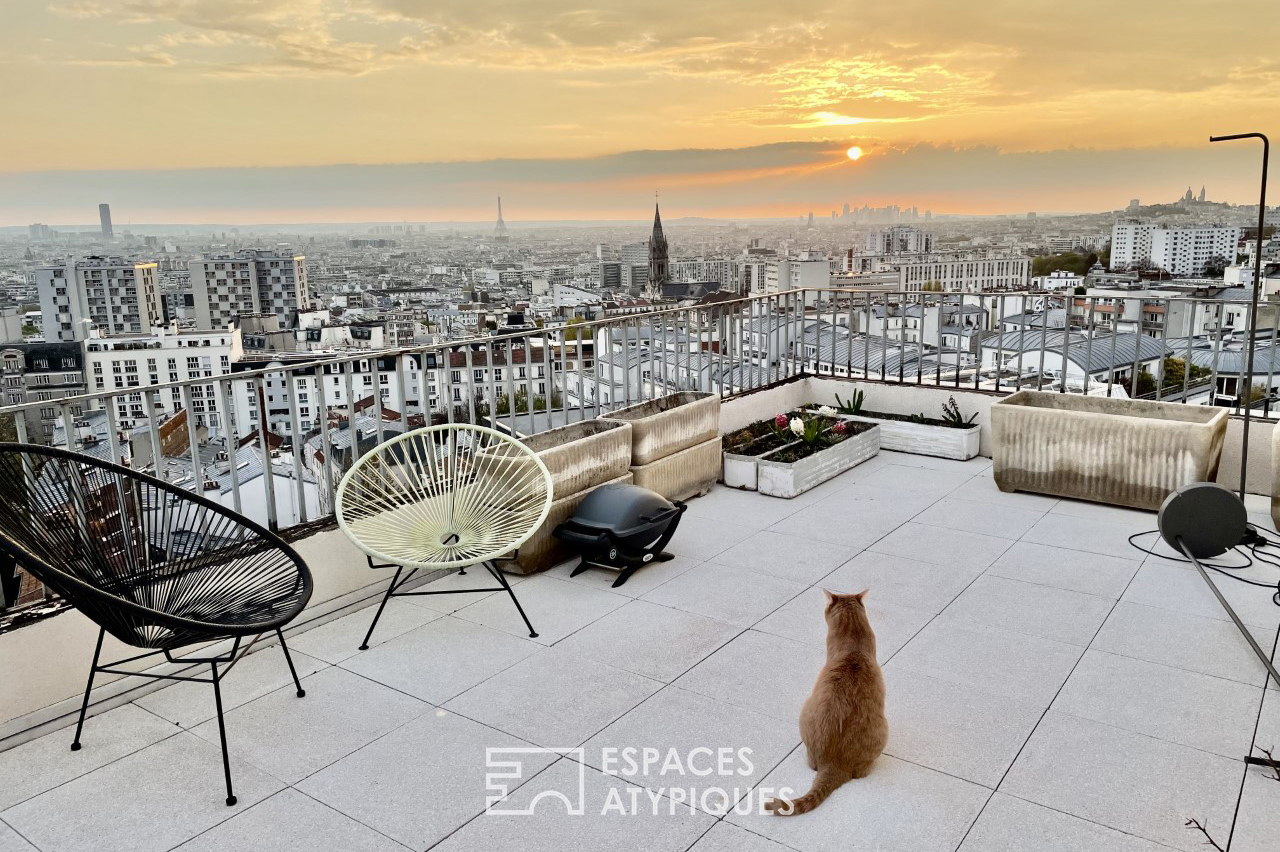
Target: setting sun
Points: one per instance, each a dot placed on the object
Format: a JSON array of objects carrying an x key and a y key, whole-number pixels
[{"x": 854, "y": 153}]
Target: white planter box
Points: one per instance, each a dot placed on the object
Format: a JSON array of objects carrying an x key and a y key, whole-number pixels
[
  {"x": 790, "y": 479},
  {"x": 1275, "y": 475},
  {"x": 663, "y": 427},
  {"x": 740, "y": 469},
  {"x": 922, "y": 439},
  {"x": 1126, "y": 452}
]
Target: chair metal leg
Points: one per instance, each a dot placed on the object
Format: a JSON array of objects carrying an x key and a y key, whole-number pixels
[
  {"x": 501, "y": 578},
  {"x": 84, "y": 706},
  {"x": 364, "y": 646},
  {"x": 289, "y": 659},
  {"x": 222, "y": 733}
]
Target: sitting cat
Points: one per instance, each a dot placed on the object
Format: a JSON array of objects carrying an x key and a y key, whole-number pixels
[{"x": 842, "y": 722}]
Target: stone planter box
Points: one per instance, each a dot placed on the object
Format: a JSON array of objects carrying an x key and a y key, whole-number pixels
[
  {"x": 543, "y": 550},
  {"x": 923, "y": 439},
  {"x": 689, "y": 473},
  {"x": 583, "y": 455},
  {"x": 740, "y": 469},
  {"x": 1126, "y": 452},
  {"x": 662, "y": 427},
  {"x": 1275, "y": 476},
  {"x": 790, "y": 479}
]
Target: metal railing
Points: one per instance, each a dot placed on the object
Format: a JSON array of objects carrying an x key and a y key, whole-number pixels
[{"x": 322, "y": 411}]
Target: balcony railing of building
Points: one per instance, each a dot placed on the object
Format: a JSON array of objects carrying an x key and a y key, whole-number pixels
[{"x": 321, "y": 412}]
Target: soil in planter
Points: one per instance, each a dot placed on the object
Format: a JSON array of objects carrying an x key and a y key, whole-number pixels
[
  {"x": 904, "y": 418},
  {"x": 758, "y": 438},
  {"x": 827, "y": 439}
]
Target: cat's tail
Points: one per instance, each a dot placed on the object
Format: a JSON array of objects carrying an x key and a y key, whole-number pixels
[{"x": 824, "y": 784}]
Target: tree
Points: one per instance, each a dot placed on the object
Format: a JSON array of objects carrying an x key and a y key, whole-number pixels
[
  {"x": 1176, "y": 368},
  {"x": 931, "y": 287},
  {"x": 1072, "y": 261},
  {"x": 571, "y": 330},
  {"x": 1216, "y": 266}
]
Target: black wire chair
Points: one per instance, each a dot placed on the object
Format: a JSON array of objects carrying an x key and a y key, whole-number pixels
[{"x": 150, "y": 563}]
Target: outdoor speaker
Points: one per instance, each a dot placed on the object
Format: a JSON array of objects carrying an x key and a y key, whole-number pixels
[{"x": 1209, "y": 519}]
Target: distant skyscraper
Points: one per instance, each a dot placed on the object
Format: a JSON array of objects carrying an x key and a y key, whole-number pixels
[
  {"x": 104, "y": 216},
  {"x": 659, "y": 264},
  {"x": 1201, "y": 199},
  {"x": 846, "y": 210},
  {"x": 500, "y": 228},
  {"x": 810, "y": 218}
]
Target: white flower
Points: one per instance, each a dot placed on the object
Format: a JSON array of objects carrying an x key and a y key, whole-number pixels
[
  {"x": 827, "y": 411},
  {"x": 797, "y": 427}
]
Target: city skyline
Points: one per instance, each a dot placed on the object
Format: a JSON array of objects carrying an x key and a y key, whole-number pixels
[{"x": 742, "y": 109}]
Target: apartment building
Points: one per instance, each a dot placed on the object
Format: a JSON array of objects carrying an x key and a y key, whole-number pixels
[
  {"x": 1188, "y": 251},
  {"x": 45, "y": 373},
  {"x": 1131, "y": 243},
  {"x": 113, "y": 294},
  {"x": 248, "y": 282}
]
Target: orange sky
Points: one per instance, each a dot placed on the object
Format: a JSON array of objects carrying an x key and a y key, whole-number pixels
[{"x": 100, "y": 85}]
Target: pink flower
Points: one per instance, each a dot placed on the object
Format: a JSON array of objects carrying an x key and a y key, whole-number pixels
[
  {"x": 780, "y": 421},
  {"x": 838, "y": 427}
]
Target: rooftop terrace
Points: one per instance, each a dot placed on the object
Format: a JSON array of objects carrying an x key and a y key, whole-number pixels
[{"x": 1050, "y": 688}]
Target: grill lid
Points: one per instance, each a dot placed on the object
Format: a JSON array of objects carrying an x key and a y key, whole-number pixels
[{"x": 625, "y": 509}]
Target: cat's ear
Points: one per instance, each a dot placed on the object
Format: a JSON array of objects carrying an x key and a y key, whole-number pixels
[
  {"x": 830, "y": 596},
  {"x": 860, "y": 595}
]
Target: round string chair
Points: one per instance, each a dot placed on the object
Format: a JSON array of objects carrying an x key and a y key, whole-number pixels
[
  {"x": 154, "y": 565},
  {"x": 444, "y": 497}
]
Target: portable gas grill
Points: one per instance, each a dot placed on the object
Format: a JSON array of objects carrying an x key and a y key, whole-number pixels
[{"x": 622, "y": 528}]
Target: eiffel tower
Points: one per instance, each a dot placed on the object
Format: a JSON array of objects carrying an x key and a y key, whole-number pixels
[{"x": 500, "y": 234}]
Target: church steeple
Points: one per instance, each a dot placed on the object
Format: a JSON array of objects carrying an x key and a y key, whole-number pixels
[{"x": 659, "y": 264}]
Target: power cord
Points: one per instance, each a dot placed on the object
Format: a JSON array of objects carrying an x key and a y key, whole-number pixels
[{"x": 1252, "y": 540}]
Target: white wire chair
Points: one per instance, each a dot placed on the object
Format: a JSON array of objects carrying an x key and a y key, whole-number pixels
[{"x": 444, "y": 497}]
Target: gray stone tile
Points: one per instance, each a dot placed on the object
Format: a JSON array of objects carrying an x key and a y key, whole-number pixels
[
  {"x": 1204, "y": 645},
  {"x": 340, "y": 639},
  {"x": 1126, "y": 781},
  {"x": 983, "y": 489},
  {"x": 701, "y": 538},
  {"x": 1168, "y": 585},
  {"x": 913, "y": 479},
  {"x": 555, "y": 607},
  {"x": 790, "y": 557},
  {"x": 262, "y": 672},
  {"x": 855, "y": 517},
  {"x": 11, "y": 841},
  {"x": 1008, "y": 824},
  {"x": 442, "y": 659},
  {"x": 1057, "y": 614},
  {"x": 899, "y": 806},
  {"x": 475, "y": 578},
  {"x": 953, "y": 728},
  {"x": 801, "y": 619},
  {"x": 733, "y": 595},
  {"x": 969, "y": 467},
  {"x": 972, "y": 516},
  {"x": 768, "y": 674},
  {"x": 1208, "y": 713},
  {"x": 1259, "y": 821},
  {"x": 901, "y": 581},
  {"x": 645, "y": 580},
  {"x": 1139, "y": 519},
  {"x": 42, "y": 764},
  {"x": 292, "y": 737},
  {"x": 675, "y": 719},
  {"x": 1026, "y": 668},
  {"x": 654, "y": 826},
  {"x": 290, "y": 822},
  {"x": 1073, "y": 570},
  {"x": 942, "y": 546},
  {"x": 150, "y": 801},
  {"x": 726, "y": 837},
  {"x": 1110, "y": 538},
  {"x": 651, "y": 640},
  {"x": 743, "y": 508},
  {"x": 382, "y": 785},
  {"x": 555, "y": 698}
]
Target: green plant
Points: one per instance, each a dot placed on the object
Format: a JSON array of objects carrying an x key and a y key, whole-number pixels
[
  {"x": 951, "y": 414},
  {"x": 917, "y": 418},
  {"x": 853, "y": 406}
]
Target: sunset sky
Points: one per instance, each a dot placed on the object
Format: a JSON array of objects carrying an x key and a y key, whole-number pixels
[{"x": 353, "y": 110}]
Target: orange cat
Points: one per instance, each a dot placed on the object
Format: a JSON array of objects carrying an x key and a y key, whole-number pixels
[{"x": 842, "y": 722}]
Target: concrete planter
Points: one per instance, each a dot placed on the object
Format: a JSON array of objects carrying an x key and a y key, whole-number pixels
[
  {"x": 583, "y": 455},
  {"x": 740, "y": 468},
  {"x": 924, "y": 439},
  {"x": 1275, "y": 476},
  {"x": 1126, "y": 452},
  {"x": 543, "y": 550},
  {"x": 790, "y": 479},
  {"x": 665, "y": 426},
  {"x": 689, "y": 473}
]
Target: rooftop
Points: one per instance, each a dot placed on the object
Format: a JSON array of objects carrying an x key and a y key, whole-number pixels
[{"x": 1050, "y": 688}]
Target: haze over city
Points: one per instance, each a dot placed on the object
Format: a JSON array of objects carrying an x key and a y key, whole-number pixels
[{"x": 387, "y": 110}]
